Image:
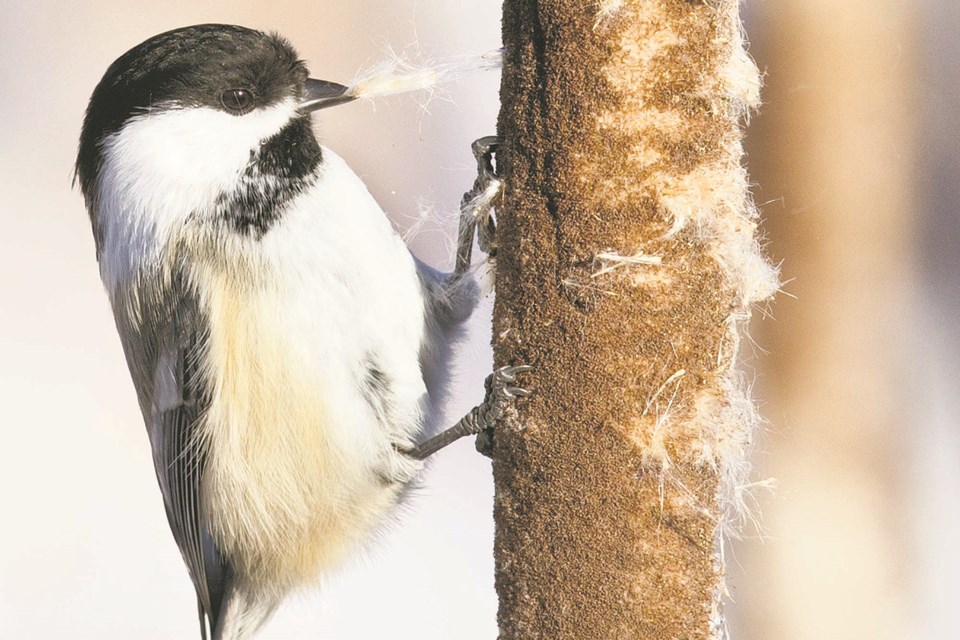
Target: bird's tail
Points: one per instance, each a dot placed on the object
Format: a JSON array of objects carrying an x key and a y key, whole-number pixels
[{"x": 241, "y": 613}]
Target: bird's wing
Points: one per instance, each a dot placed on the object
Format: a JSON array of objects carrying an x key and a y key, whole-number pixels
[
  {"x": 449, "y": 300},
  {"x": 447, "y": 305},
  {"x": 162, "y": 353}
]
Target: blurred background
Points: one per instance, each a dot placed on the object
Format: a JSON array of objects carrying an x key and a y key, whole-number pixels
[{"x": 856, "y": 158}]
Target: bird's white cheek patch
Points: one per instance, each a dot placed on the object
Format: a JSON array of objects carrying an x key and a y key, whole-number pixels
[
  {"x": 166, "y": 165},
  {"x": 190, "y": 154}
]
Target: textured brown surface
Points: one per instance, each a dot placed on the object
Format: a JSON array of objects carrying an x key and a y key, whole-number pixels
[{"x": 596, "y": 537}]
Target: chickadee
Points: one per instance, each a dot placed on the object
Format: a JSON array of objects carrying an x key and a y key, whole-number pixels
[{"x": 286, "y": 348}]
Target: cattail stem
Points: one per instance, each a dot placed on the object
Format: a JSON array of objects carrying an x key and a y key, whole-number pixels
[{"x": 621, "y": 140}]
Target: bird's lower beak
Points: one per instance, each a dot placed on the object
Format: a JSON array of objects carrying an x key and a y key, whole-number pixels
[{"x": 321, "y": 94}]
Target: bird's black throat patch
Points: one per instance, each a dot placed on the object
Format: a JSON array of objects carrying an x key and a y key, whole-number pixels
[{"x": 282, "y": 168}]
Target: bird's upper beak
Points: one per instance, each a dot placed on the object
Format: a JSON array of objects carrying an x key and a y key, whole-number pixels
[{"x": 321, "y": 94}]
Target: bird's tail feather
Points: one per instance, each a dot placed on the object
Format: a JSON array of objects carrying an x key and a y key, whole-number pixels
[{"x": 242, "y": 613}]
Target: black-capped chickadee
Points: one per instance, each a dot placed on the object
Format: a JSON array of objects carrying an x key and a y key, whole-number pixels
[{"x": 286, "y": 348}]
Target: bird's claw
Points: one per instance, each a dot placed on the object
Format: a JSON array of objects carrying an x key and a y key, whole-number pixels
[
  {"x": 484, "y": 150},
  {"x": 509, "y": 373},
  {"x": 499, "y": 398}
]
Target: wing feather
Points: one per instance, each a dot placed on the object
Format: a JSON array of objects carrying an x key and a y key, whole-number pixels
[{"x": 162, "y": 353}]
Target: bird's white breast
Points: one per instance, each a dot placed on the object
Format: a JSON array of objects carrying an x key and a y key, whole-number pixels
[{"x": 301, "y": 462}]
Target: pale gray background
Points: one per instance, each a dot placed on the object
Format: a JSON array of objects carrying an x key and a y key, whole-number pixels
[{"x": 86, "y": 552}]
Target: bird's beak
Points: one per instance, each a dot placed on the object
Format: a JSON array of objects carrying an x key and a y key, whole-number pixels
[{"x": 321, "y": 94}]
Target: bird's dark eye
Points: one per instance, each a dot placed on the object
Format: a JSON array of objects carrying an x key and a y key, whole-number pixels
[{"x": 237, "y": 100}]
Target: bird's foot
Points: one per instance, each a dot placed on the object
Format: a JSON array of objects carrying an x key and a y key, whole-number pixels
[
  {"x": 482, "y": 419},
  {"x": 501, "y": 394},
  {"x": 476, "y": 207}
]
